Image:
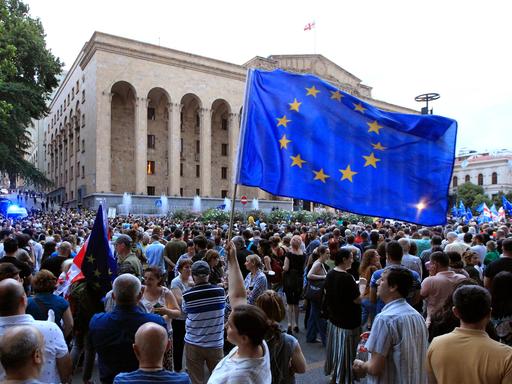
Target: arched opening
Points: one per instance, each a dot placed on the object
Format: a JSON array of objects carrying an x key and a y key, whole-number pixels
[
  {"x": 190, "y": 146},
  {"x": 122, "y": 136},
  {"x": 480, "y": 179},
  {"x": 494, "y": 178},
  {"x": 455, "y": 181},
  {"x": 467, "y": 179},
  {"x": 221, "y": 167},
  {"x": 157, "y": 148}
]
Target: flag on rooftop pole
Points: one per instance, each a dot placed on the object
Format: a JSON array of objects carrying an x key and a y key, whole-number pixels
[
  {"x": 95, "y": 262},
  {"x": 302, "y": 137},
  {"x": 309, "y": 26}
]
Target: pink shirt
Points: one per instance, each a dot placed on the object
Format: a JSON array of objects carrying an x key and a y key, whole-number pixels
[{"x": 436, "y": 289}]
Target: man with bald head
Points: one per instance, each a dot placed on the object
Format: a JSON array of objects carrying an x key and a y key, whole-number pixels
[
  {"x": 112, "y": 333},
  {"x": 21, "y": 354},
  {"x": 57, "y": 362},
  {"x": 151, "y": 343}
]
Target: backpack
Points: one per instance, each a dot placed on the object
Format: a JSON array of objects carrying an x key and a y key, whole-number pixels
[{"x": 84, "y": 302}]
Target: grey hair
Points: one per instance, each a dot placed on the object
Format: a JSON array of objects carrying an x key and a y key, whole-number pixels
[
  {"x": 238, "y": 241},
  {"x": 124, "y": 239},
  {"x": 126, "y": 288},
  {"x": 405, "y": 244},
  {"x": 17, "y": 346},
  {"x": 451, "y": 235}
]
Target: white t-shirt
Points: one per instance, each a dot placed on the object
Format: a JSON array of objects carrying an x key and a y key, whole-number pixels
[
  {"x": 235, "y": 370},
  {"x": 54, "y": 344}
]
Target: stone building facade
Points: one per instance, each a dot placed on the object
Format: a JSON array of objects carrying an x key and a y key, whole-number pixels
[
  {"x": 492, "y": 172},
  {"x": 139, "y": 118}
]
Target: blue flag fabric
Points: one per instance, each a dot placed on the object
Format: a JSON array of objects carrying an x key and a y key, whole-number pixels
[
  {"x": 480, "y": 208},
  {"x": 469, "y": 214},
  {"x": 98, "y": 265},
  {"x": 455, "y": 212},
  {"x": 303, "y": 138},
  {"x": 507, "y": 206},
  {"x": 462, "y": 209}
]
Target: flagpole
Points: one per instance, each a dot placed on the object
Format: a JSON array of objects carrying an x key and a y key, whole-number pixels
[
  {"x": 314, "y": 37},
  {"x": 232, "y": 214}
]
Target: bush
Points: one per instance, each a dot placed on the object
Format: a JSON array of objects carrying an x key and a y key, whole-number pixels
[{"x": 182, "y": 215}]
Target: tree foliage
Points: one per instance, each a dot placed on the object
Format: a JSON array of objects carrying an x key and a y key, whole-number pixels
[{"x": 28, "y": 73}]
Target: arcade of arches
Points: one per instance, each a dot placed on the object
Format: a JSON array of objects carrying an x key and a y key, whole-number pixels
[{"x": 172, "y": 147}]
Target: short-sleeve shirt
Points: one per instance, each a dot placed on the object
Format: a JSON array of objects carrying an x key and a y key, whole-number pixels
[
  {"x": 39, "y": 305},
  {"x": 340, "y": 292},
  {"x": 178, "y": 283},
  {"x": 112, "y": 335},
  {"x": 438, "y": 288},
  {"x": 163, "y": 376},
  {"x": 54, "y": 344},
  {"x": 400, "y": 335},
  {"x": 497, "y": 266}
]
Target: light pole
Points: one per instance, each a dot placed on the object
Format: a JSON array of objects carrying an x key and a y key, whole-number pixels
[{"x": 427, "y": 97}]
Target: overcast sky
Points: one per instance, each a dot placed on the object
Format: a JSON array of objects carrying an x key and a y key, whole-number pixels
[{"x": 459, "y": 49}]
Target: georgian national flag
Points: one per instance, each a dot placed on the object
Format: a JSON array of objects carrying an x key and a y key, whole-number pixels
[
  {"x": 95, "y": 262},
  {"x": 309, "y": 26}
]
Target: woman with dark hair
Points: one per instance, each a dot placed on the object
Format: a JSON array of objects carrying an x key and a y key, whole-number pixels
[
  {"x": 471, "y": 259},
  {"x": 501, "y": 314},
  {"x": 286, "y": 356},
  {"x": 48, "y": 249},
  {"x": 456, "y": 264},
  {"x": 43, "y": 285},
  {"x": 342, "y": 307},
  {"x": 249, "y": 361},
  {"x": 160, "y": 300}
]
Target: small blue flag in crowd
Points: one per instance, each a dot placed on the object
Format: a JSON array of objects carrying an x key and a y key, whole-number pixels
[
  {"x": 507, "y": 205},
  {"x": 302, "y": 137}
]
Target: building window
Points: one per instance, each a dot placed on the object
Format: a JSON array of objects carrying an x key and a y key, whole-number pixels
[
  {"x": 83, "y": 171},
  {"x": 181, "y": 192},
  {"x": 181, "y": 169},
  {"x": 224, "y": 193},
  {"x": 455, "y": 181},
  {"x": 151, "y": 113},
  {"x": 83, "y": 145},
  {"x": 198, "y": 171},
  {"x": 224, "y": 172},
  {"x": 77, "y": 169},
  {"x": 71, "y": 174},
  {"x": 494, "y": 178},
  {"x": 224, "y": 123},
  {"x": 83, "y": 120},
  {"x": 72, "y": 197},
  {"x": 83, "y": 96},
  {"x": 182, "y": 127},
  {"x": 151, "y": 141},
  {"x": 480, "y": 179},
  {"x": 467, "y": 179},
  {"x": 198, "y": 146},
  {"x": 224, "y": 149},
  {"x": 151, "y": 191},
  {"x": 198, "y": 120},
  {"x": 198, "y": 192},
  {"x": 150, "y": 167},
  {"x": 77, "y": 86},
  {"x": 73, "y": 93}
]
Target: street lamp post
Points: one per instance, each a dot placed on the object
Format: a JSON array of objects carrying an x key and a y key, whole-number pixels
[{"x": 427, "y": 97}]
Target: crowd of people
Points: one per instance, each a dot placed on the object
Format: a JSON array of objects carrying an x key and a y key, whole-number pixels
[{"x": 189, "y": 304}]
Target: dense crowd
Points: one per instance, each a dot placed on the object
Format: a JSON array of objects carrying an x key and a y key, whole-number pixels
[{"x": 392, "y": 302}]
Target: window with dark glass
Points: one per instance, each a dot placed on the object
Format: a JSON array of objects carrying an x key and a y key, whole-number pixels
[
  {"x": 198, "y": 171},
  {"x": 224, "y": 172},
  {"x": 151, "y": 141},
  {"x": 480, "y": 179},
  {"x": 151, "y": 190},
  {"x": 151, "y": 113},
  {"x": 455, "y": 181},
  {"x": 494, "y": 178},
  {"x": 224, "y": 149}
]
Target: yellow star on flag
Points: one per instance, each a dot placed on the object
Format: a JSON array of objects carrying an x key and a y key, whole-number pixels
[
  {"x": 295, "y": 105},
  {"x": 297, "y": 161},
  {"x": 347, "y": 173},
  {"x": 371, "y": 160},
  {"x": 320, "y": 175},
  {"x": 378, "y": 146},
  {"x": 374, "y": 127},
  {"x": 282, "y": 121},
  {"x": 359, "y": 107},
  {"x": 284, "y": 142},
  {"x": 97, "y": 273},
  {"x": 336, "y": 95},
  {"x": 90, "y": 259},
  {"x": 312, "y": 91}
]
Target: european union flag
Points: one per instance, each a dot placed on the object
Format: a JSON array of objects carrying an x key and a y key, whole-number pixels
[
  {"x": 462, "y": 209},
  {"x": 98, "y": 264},
  {"x": 469, "y": 214},
  {"x": 302, "y": 137},
  {"x": 507, "y": 206}
]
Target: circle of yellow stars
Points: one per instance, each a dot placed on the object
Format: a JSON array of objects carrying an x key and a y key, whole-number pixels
[{"x": 346, "y": 173}]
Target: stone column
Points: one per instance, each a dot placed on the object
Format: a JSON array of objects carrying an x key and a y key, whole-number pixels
[
  {"x": 103, "y": 144},
  {"x": 234, "y": 134},
  {"x": 173, "y": 147},
  {"x": 206, "y": 152},
  {"x": 141, "y": 146}
]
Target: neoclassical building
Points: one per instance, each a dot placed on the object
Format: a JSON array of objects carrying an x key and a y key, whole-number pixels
[
  {"x": 148, "y": 120},
  {"x": 493, "y": 172}
]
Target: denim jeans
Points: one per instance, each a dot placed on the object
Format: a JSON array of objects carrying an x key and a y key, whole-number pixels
[
  {"x": 367, "y": 309},
  {"x": 316, "y": 324}
]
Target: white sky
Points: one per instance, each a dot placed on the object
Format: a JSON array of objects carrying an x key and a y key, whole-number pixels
[{"x": 460, "y": 49}]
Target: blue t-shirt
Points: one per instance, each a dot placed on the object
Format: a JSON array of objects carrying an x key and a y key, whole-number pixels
[
  {"x": 162, "y": 376},
  {"x": 112, "y": 335},
  {"x": 39, "y": 305},
  {"x": 377, "y": 275}
]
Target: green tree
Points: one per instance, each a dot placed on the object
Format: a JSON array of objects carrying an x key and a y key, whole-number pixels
[
  {"x": 28, "y": 73},
  {"x": 498, "y": 200},
  {"x": 472, "y": 195}
]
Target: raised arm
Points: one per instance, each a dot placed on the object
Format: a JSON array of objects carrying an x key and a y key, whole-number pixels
[{"x": 236, "y": 288}]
